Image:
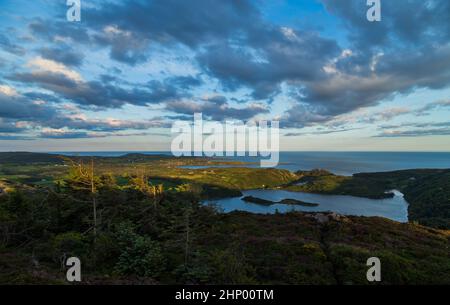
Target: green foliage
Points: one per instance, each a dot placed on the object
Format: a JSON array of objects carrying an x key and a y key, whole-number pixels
[
  {"x": 429, "y": 200},
  {"x": 70, "y": 244},
  {"x": 139, "y": 255},
  {"x": 180, "y": 241},
  {"x": 230, "y": 267},
  {"x": 323, "y": 182},
  {"x": 82, "y": 177},
  {"x": 427, "y": 191},
  {"x": 198, "y": 271}
]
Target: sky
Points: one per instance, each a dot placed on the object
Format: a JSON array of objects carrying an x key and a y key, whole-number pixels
[{"x": 120, "y": 77}]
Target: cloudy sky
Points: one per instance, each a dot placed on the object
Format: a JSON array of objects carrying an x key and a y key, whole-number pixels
[{"x": 118, "y": 79}]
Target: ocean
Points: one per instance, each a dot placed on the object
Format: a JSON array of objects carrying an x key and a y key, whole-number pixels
[{"x": 341, "y": 163}]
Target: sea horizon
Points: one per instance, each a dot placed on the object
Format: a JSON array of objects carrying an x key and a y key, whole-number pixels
[
  {"x": 167, "y": 151},
  {"x": 344, "y": 163}
]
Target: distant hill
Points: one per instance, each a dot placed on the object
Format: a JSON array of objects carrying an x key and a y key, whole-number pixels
[{"x": 21, "y": 157}]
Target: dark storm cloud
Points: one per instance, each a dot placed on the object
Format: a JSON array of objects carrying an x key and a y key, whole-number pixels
[{"x": 63, "y": 55}]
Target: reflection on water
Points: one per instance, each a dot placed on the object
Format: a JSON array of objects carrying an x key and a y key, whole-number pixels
[{"x": 395, "y": 208}]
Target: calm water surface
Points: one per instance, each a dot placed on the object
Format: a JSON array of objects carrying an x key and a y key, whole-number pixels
[
  {"x": 348, "y": 163},
  {"x": 395, "y": 208},
  {"x": 342, "y": 163}
]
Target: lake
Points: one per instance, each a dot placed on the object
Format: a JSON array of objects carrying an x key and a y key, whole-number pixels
[
  {"x": 395, "y": 208},
  {"x": 342, "y": 163}
]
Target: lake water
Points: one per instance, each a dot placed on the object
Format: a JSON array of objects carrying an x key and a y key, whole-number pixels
[
  {"x": 341, "y": 163},
  {"x": 395, "y": 208}
]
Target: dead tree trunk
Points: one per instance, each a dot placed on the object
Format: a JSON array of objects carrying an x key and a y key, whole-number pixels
[{"x": 94, "y": 203}]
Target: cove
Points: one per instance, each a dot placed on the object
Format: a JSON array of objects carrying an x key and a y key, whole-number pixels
[{"x": 395, "y": 208}]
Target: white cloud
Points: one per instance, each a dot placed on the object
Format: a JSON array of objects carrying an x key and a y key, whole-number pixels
[
  {"x": 375, "y": 60},
  {"x": 52, "y": 66},
  {"x": 7, "y": 90},
  {"x": 330, "y": 68}
]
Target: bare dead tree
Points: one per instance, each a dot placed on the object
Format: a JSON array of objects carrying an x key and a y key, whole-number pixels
[
  {"x": 83, "y": 178},
  {"x": 155, "y": 192}
]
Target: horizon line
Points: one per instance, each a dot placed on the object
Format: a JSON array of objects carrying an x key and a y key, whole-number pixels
[{"x": 168, "y": 151}]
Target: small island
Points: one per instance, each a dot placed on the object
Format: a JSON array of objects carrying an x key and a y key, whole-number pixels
[
  {"x": 298, "y": 202},
  {"x": 265, "y": 202}
]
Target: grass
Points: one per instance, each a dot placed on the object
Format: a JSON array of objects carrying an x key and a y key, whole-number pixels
[{"x": 216, "y": 182}]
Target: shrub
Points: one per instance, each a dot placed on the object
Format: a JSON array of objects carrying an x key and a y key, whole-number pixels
[
  {"x": 69, "y": 244},
  {"x": 139, "y": 255}
]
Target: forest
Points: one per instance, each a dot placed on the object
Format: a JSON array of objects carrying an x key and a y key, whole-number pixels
[{"x": 128, "y": 223}]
